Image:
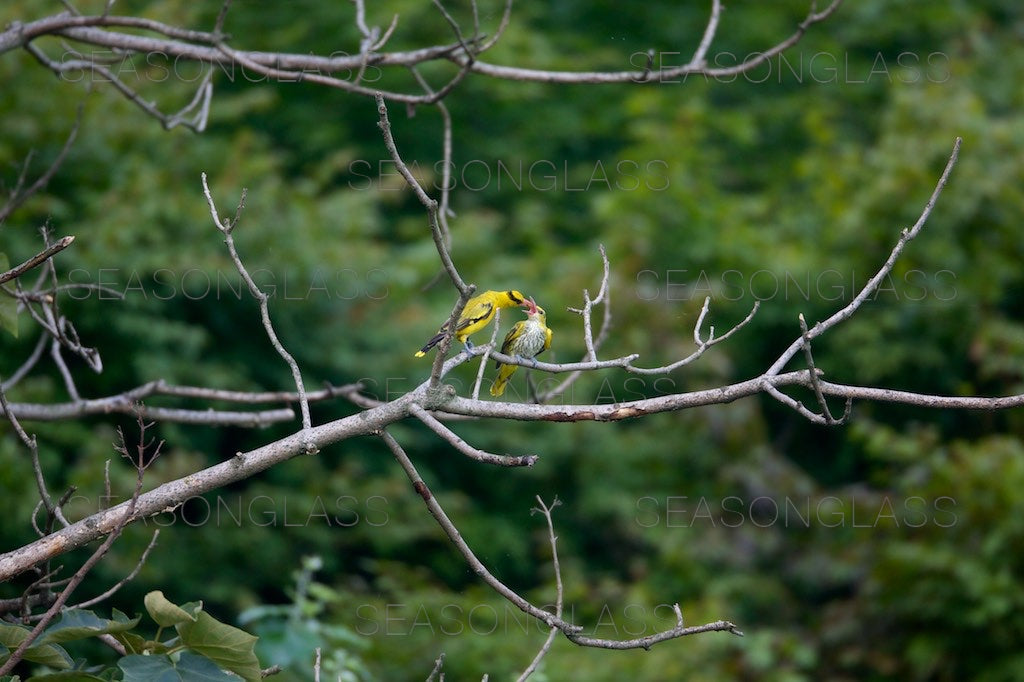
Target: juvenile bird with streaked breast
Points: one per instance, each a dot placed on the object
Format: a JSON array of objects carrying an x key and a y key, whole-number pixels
[
  {"x": 527, "y": 339},
  {"x": 477, "y": 314}
]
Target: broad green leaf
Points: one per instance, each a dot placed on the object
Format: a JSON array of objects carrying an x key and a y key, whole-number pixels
[
  {"x": 80, "y": 623},
  {"x": 164, "y": 612},
  {"x": 47, "y": 654},
  {"x": 68, "y": 676},
  {"x": 188, "y": 668},
  {"x": 196, "y": 667},
  {"x": 133, "y": 643},
  {"x": 138, "y": 668},
  {"x": 227, "y": 646}
]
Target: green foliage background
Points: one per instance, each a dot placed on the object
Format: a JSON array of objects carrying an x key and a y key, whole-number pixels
[{"x": 890, "y": 548}]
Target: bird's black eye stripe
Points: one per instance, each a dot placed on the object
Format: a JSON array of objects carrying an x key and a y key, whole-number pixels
[{"x": 512, "y": 295}]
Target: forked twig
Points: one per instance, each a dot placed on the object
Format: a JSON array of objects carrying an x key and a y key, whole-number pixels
[
  {"x": 226, "y": 228},
  {"x": 546, "y": 511}
]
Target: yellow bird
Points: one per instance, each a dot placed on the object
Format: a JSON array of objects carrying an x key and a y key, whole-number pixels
[
  {"x": 527, "y": 339},
  {"x": 477, "y": 314}
]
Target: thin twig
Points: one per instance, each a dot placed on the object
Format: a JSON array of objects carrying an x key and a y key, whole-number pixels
[
  {"x": 69, "y": 381},
  {"x": 103, "y": 73},
  {"x": 487, "y": 354},
  {"x": 546, "y": 511},
  {"x": 603, "y": 295},
  {"x": 813, "y": 373},
  {"x": 33, "y": 448},
  {"x": 702, "y": 345},
  {"x": 26, "y": 366},
  {"x": 226, "y": 228},
  {"x": 437, "y": 668},
  {"x": 572, "y": 632},
  {"x": 709, "y": 35},
  {"x": 436, "y": 231},
  {"x": 467, "y": 52},
  {"x": 872, "y": 284},
  {"x": 465, "y": 448},
  {"x": 17, "y": 197},
  {"x": 51, "y": 613},
  {"x": 222, "y": 15},
  {"x": 430, "y": 204},
  {"x": 460, "y": 544},
  {"x": 121, "y": 583},
  {"x": 506, "y": 17},
  {"x": 446, "y": 159}
]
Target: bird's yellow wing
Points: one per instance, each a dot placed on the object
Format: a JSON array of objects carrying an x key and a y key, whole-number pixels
[
  {"x": 475, "y": 313},
  {"x": 514, "y": 333}
]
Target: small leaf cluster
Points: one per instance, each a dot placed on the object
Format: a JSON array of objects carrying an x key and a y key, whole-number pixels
[{"x": 201, "y": 648}]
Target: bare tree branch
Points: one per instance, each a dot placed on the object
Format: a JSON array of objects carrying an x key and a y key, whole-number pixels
[
  {"x": 243, "y": 465},
  {"x": 121, "y": 583},
  {"x": 170, "y": 495},
  {"x": 825, "y": 412},
  {"x": 668, "y": 74},
  {"x": 465, "y": 448},
  {"x": 433, "y": 398},
  {"x": 209, "y": 48},
  {"x": 680, "y": 630},
  {"x": 79, "y": 576},
  {"x": 36, "y": 260},
  {"x": 201, "y": 99},
  {"x": 456, "y": 539},
  {"x": 872, "y": 284},
  {"x": 161, "y": 388},
  {"x": 571, "y": 631},
  {"x": 123, "y": 403}
]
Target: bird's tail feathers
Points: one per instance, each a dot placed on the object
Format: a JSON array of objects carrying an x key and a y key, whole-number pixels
[
  {"x": 434, "y": 340},
  {"x": 504, "y": 374}
]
